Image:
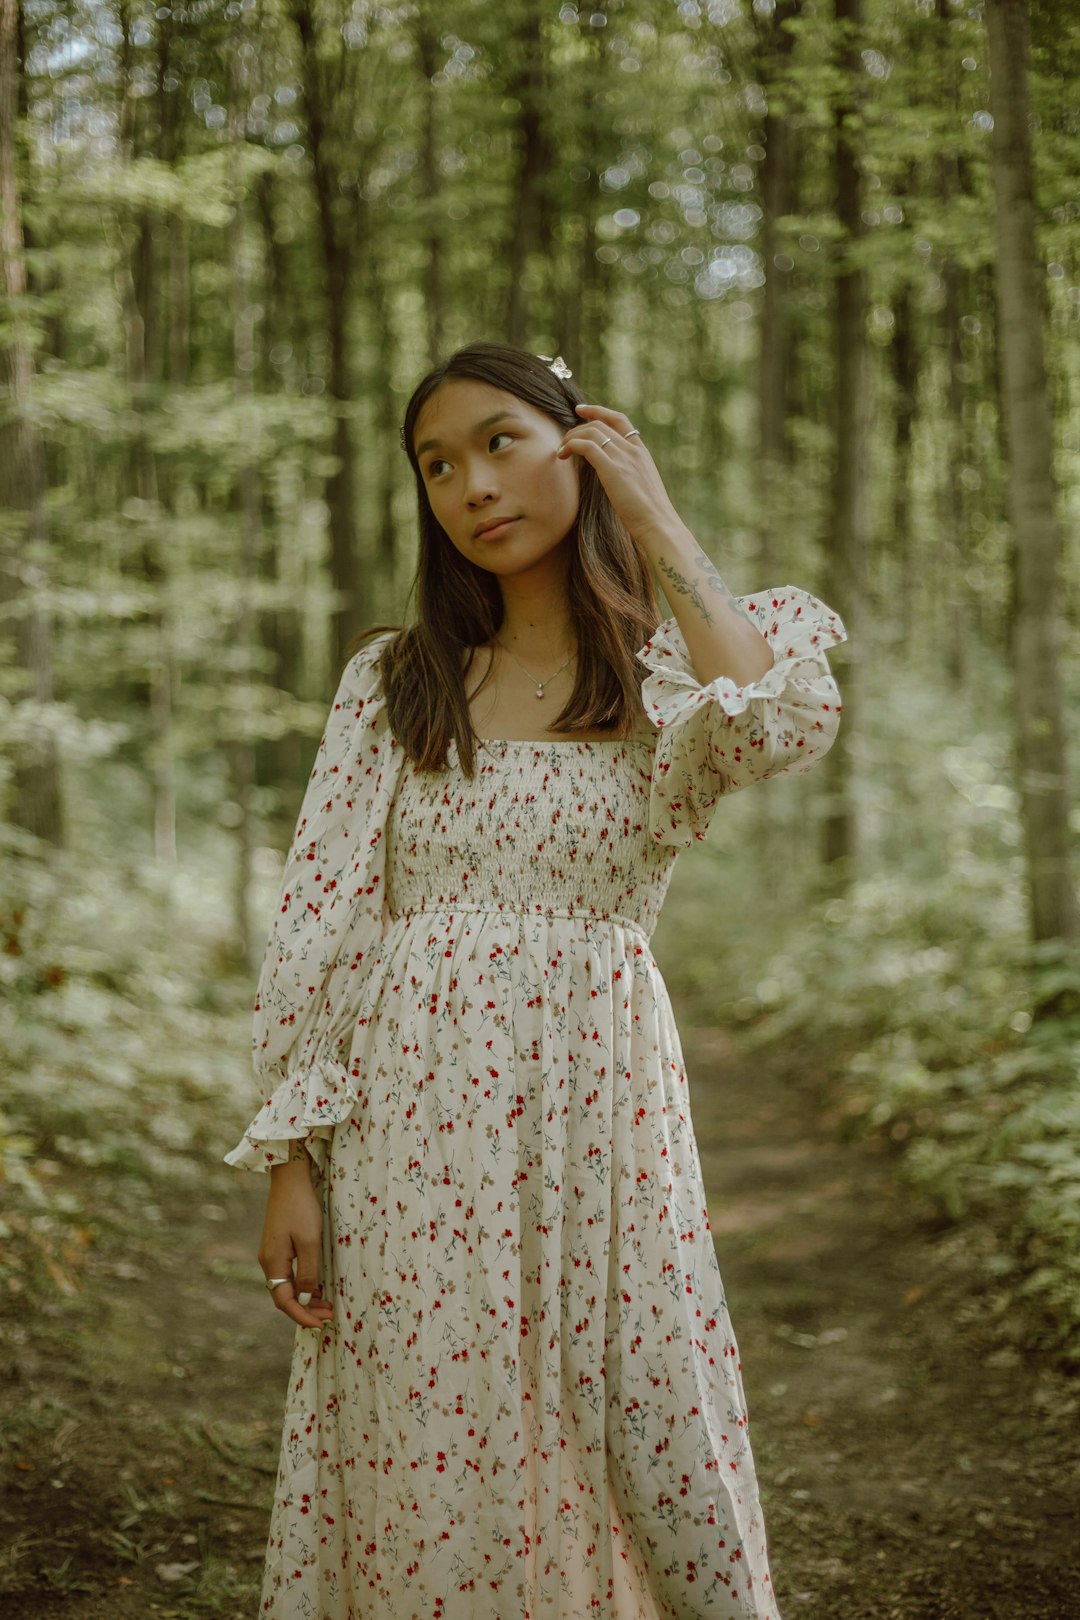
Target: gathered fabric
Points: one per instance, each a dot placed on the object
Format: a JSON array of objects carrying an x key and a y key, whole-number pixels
[{"x": 529, "y": 1402}]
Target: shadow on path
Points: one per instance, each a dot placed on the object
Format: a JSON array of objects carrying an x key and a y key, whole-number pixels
[{"x": 910, "y": 1466}]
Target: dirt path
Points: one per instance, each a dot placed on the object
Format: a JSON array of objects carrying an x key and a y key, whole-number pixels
[{"x": 910, "y": 1466}]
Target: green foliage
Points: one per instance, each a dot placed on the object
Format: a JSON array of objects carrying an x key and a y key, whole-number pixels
[{"x": 123, "y": 1032}]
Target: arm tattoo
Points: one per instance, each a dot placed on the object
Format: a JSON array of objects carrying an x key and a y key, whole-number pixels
[
  {"x": 714, "y": 583},
  {"x": 685, "y": 587},
  {"x": 297, "y": 1150}
]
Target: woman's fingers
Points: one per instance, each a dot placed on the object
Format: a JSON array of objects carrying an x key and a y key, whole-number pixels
[
  {"x": 311, "y": 1315},
  {"x": 599, "y": 433},
  {"x": 299, "y": 1297},
  {"x": 601, "y": 413},
  {"x": 580, "y": 438},
  {"x": 307, "y": 1265},
  {"x": 292, "y": 1234}
]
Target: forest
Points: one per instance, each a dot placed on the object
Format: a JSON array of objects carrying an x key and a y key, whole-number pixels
[{"x": 826, "y": 254}]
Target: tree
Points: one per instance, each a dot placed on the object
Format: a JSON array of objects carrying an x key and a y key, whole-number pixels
[
  {"x": 35, "y": 803},
  {"x": 1037, "y": 639},
  {"x": 847, "y": 552}
]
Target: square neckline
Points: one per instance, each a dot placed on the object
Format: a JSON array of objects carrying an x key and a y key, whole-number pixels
[{"x": 563, "y": 742}]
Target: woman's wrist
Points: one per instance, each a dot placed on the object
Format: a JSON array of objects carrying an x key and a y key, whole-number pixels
[{"x": 298, "y": 1162}]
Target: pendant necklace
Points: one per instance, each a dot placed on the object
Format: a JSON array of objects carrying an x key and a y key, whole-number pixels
[{"x": 539, "y": 684}]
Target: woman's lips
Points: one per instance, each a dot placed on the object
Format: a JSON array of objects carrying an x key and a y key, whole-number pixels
[{"x": 497, "y": 530}]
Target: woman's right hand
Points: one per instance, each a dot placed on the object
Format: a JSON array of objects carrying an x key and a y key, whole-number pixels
[{"x": 292, "y": 1231}]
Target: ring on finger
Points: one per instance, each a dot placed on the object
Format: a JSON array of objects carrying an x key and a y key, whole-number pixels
[
  {"x": 276, "y": 1282},
  {"x": 604, "y": 441},
  {"x": 631, "y": 433}
]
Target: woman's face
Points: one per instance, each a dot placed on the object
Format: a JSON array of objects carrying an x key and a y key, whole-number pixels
[{"x": 485, "y": 454}]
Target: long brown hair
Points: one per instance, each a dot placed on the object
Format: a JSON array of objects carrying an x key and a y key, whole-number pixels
[{"x": 612, "y": 599}]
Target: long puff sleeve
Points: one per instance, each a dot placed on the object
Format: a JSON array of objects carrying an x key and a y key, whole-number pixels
[
  {"x": 717, "y": 738},
  {"x": 327, "y": 925}
]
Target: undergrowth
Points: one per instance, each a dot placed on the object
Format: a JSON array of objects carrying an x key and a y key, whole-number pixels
[{"x": 123, "y": 1050}]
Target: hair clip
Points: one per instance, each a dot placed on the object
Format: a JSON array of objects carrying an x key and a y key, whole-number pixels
[{"x": 558, "y": 365}]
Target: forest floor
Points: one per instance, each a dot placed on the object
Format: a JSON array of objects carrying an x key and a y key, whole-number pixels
[{"x": 913, "y": 1465}]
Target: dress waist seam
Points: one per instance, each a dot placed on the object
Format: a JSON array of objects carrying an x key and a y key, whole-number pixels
[{"x": 561, "y": 913}]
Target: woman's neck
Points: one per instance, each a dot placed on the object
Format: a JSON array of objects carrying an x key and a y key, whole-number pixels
[{"x": 536, "y": 619}]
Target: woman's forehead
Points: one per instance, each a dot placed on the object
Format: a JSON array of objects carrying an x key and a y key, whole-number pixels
[{"x": 460, "y": 404}]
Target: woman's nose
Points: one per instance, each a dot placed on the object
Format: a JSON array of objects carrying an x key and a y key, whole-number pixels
[{"x": 480, "y": 484}]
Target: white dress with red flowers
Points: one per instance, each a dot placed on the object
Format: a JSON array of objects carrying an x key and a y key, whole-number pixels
[{"x": 528, "y": 1405}]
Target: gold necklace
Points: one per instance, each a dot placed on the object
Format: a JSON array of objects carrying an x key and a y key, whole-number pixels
[{"x": 539, "y": 684}]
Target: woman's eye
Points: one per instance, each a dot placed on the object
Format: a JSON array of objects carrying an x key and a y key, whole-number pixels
[{"x": 433, "y": 466}]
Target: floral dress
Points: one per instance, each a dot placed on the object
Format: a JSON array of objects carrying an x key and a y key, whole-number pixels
[{"x": 528, "y": 1405}]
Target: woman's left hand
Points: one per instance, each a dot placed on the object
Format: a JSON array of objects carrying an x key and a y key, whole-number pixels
[{"x": 626, "y": 470}]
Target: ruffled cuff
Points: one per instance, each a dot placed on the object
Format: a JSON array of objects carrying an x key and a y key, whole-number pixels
[
  {"x": 304, "y": 1107},
  {"x": 717, "y": 738},
  {"x": 799, "y": 628}
]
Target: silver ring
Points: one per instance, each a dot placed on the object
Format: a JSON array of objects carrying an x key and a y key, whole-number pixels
[
  {"x": 603, "y": 442},
  {"x": 631, "y": 433},
  {"x": 276, "y": 1282}
]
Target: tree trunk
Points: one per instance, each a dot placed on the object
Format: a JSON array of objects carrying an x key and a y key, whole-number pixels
[
  {"x": 346, "y": 576},
  {"x": 528, "y": 213},
  {"x": 1041, "y": 751},
  {"x": 584, "y": 303},
  {"x": 279, "y": 759},
  {"x": 952, "y": 551},
  {"x": 953, "y": 630},
  {"x": 35, "y": 800},
  {"x": 777, "y": 200},
  {"x": 845, "y": 573},
  {"x": 245, "y": 316},
  {"x": 384, "y": 426},
  {"x": 140, "y": 301},
  {"x": 905, "y": 380},
  {"x": 426, "y": 35}
]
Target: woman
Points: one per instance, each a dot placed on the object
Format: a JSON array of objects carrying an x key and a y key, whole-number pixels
[{"x": 515, "y": 1392}]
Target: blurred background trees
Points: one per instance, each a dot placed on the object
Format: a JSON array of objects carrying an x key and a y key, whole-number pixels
[{"x": 824, "y": 257}]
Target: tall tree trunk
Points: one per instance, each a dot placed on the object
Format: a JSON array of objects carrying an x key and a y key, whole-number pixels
[
  {"x": 384, "y": 426},
  {"x": 584, "y": 304},
  {"x": 997, "y": 627},
  {"x": 953, "y": 629},
  {"x": 280, "y": 758},
  {"x": 35, "y": 802},
  {"x": 777, "y": 177},
  {"x": 528, "y": 215},
  {"x": 952, "y": 553},
  {"x": 845, "y": 572},
  {"x": 427, "y": 40},
  {"x": 141, "y": 304},
  {"x": 245, "y": 315},
  {"x": 336, "y": 245},
  {"x": 1041, "y": 751},
  {"x": 777, "y": 200},
  {"x": 905, "y": 381}
]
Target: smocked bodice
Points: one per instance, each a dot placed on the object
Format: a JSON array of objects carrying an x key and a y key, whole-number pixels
[{"x": 554, "y": 828}]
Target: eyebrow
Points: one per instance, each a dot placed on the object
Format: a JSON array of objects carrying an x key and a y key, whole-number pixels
[{"x": 499, "y": 416}]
